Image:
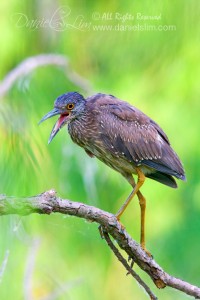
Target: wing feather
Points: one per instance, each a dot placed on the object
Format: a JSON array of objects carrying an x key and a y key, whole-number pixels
[{"x": 136, "y": 137}]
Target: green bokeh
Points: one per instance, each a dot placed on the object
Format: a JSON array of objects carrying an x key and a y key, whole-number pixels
[{"x": 155, "y": 70}]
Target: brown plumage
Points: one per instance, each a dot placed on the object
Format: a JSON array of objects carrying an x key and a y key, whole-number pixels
[{"x": 122, "y": 137}]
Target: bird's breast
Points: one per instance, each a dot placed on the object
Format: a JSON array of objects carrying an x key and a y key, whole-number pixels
[
  {"x": 82, "y": 132},
  {"x": 88, "y": 136}
]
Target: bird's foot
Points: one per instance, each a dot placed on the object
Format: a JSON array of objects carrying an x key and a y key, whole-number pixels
[
  {"x": 147, "y": 251},
  {"x": 118, "y": 220},
  {"x": 122, "y": 226}
]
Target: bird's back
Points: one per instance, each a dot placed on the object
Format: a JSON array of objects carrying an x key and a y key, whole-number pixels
[{"x": 124, "y": 138}]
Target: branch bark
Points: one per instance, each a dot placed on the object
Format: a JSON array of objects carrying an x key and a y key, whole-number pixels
[{"x": 48, "y": 202}]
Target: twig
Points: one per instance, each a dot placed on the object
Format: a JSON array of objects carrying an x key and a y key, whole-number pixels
[
  {"x": 48, "y": 203},
  {"x": 127, "y": 267},
  {"x": 31, "y": 63}
]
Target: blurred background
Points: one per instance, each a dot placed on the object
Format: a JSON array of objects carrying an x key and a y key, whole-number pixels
[{"x": 144, "y": 53}]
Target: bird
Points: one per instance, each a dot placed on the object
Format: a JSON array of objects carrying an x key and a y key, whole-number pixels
[{"x": 122, "y": 137}]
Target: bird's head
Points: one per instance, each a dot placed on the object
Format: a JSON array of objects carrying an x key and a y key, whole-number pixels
[{"x": 69, "y": 106}]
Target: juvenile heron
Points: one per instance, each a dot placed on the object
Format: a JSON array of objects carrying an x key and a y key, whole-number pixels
[{"x": 122, "y": 137}]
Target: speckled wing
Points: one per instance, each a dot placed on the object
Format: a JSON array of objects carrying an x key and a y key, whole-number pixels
[{"x": 129, "y": 133}]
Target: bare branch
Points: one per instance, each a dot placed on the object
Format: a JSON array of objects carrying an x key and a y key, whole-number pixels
[
  {"x": 127, "y": 267},
  {"x": 31, "y": 63},
  {"x": 48, "y": 203}
]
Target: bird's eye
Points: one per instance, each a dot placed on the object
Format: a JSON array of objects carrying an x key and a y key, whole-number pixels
[{"x": 70, "y": 106}]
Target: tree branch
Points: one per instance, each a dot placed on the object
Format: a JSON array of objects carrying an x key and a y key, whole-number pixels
[
  {"x": 48, "y": 203},
  {"x": 126, "y": 265}
]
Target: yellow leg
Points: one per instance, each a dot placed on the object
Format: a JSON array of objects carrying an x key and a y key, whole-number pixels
[
  {"x": 142, "y": 202},
  {"x": 141, "y": 179}
]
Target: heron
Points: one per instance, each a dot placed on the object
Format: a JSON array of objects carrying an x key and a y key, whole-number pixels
[{"x": 122, "y": 137}]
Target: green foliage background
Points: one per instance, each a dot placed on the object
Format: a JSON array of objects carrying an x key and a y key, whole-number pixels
[{"x": 157, "y": 71}]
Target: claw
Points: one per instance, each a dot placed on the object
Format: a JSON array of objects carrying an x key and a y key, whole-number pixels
[
  {"x": 147, "y": 252},
  {"x": 118, "y": 219}
]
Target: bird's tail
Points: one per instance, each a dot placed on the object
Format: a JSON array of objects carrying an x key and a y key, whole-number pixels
[{"x": 163, "y": 178}]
